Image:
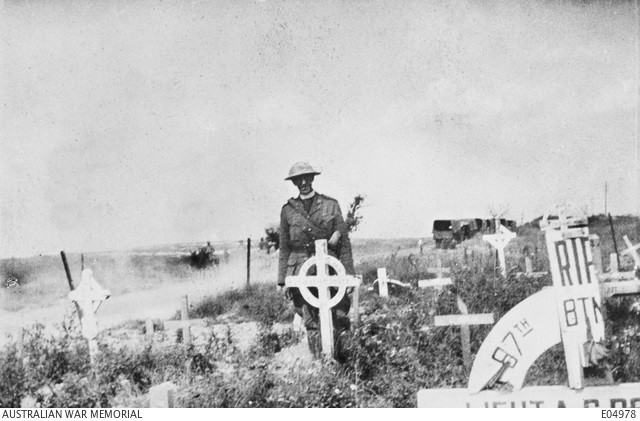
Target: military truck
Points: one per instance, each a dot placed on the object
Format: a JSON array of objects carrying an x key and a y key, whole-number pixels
[
  {"x": 443, "y": 233},
  {"x": 447, "y": 233}
]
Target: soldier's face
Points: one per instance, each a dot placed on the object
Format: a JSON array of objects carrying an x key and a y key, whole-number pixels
[{"x": 303, "y": 183}]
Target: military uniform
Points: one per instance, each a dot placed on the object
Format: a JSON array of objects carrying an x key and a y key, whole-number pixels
[{"x": 298, "y": 231}]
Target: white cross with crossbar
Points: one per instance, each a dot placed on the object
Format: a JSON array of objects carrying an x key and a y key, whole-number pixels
[
  {"x": 89, "y": 295},
  {"x": 499, "y": 241},
  {"x": 632, "y": 250},
  {"x": 383, "y": 282},
  {"x": 323, "y": 281}
]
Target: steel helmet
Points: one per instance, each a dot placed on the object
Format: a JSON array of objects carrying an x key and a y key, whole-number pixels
[{"x": 301, "y": 168}]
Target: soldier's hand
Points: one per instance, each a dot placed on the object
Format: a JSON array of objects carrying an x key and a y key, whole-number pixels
[
  {"x": 335, "y": 239},
  {"x": 286, "y": 292}
]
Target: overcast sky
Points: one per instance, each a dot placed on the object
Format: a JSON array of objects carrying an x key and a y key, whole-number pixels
[{"x": 130, "y": 123}]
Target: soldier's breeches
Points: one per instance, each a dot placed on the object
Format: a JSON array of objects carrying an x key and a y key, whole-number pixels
[{"x": 311, "y": 315}]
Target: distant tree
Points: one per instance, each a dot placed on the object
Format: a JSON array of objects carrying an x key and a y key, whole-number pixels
[
  {"x": 273, "y": 236},
  {"x": 499, "y": 211},
  {"x": 353, "y": 216}
]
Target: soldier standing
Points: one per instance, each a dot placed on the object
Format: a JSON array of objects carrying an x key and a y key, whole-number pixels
[{"x": 313, "y": 216}]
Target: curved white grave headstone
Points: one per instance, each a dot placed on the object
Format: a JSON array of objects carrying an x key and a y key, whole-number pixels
[{"x": 515, "y": 342}]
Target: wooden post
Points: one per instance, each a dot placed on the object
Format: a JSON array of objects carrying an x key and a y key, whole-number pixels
[
  {"x": 615, "y": 243},
  {"x": 149, "y": 329},
  {"x": 248, "y": 262},
  {"x": 184, "y": 316},
  {"x": 66, "y": 269},
  {"x": 70, "y": 281}
]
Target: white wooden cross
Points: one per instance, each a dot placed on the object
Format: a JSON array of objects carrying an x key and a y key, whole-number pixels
[
  {"x": 323, "y": 281},
  {"x": 439, "y": 270},
  {"x": 499, "y": 241},
  {"x": 439, "y": 282},
  {"x": 89, "y": 295},
  {"x": 633, "y": 251},
  {"x": 185, "y": 323},
  {"x": 577, "y": 291},
  {"x": 384, "y": 281},
  {"x": 464, "y": 320}
]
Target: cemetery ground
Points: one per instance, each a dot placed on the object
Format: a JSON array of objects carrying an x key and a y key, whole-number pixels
[{"x": 248, "y": 354}]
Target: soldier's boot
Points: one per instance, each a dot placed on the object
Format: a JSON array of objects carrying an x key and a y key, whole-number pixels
[
  {"x": 315, "y": 343},
  {"x": 340, "y": 353}
]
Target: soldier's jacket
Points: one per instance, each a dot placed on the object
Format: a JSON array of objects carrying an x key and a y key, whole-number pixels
[{"x": 299, "y": 230}]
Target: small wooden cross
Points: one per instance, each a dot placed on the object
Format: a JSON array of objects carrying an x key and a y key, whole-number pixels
[
  {"x": 438, "y": 284},
  {"x": 633, "y": 251},
  {"x": 464, "y": 320},
  {"x": 89, "y": 295},
  {"x": 499, "y": 241},
  {"x": 439, "y": 270},
  {"x": 185, "y": 323},
  {"x": 384, "y": 281},
  {"x": 323, "y": 281}
]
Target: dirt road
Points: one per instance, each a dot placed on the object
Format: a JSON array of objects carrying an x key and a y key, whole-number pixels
[{"x": 161, "y": 302}]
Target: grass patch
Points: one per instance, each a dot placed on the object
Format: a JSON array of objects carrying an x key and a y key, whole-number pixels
[{"x": 261, "y": 303}]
